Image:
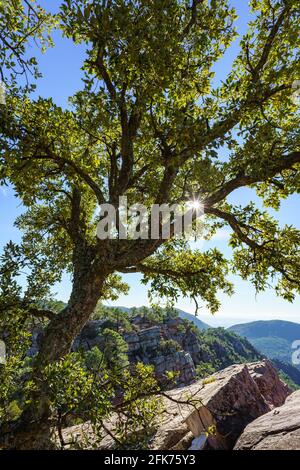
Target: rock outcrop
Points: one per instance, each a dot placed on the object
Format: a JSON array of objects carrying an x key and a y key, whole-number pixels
[
  {"x": 226, "y": 403},
  {"x": 271, "y": 387},
  {"x": 277, "y": 430},
  {"x": 169, "y": 343},
  {"x": 230, "y": 400},
  {"x": 146, "y": 345},
  {"x": 173, "y": 345}
]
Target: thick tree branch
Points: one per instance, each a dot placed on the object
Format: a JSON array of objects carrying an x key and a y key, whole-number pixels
[
  {"x": 74, "y": 224},
  {"x": 129, "y": 125},
  {"x": 237, "y": 228},
  {"x": 105, "y": 75},
  {"x": 254, "y": 100},
  {"x": 235, "y": 225},
  {"x": 42, "y": 313},
  {"x": 269, "y": 43},
  {"x": 284, "y": 163}
]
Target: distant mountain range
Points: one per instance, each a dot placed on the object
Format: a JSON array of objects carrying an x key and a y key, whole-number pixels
[
  {"x": 286, "y": 330},
  {"x": 274, "y": 339}
]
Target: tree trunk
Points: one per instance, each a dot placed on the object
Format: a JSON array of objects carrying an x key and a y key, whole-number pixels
[
  {"x": 65, "y": 327},
  {"x": 34, "y": 428}
]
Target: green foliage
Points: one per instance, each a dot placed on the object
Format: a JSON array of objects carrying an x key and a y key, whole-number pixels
[
  {"x": 171, "y": 377},
  {"x": 289, "y": 372},
  {"x": 69, "y": 385},
  {"x": 194, "y": 318},
  {"x": 89, "y": 394},
  {"x": 115, "y": 318},
  {"x": 53, "y": 305},
  {"x": 204, "y": 369},
  {"x": 94, "y": 360},
  {"x": 221, "y": 348},
  {"x": 111, "y": 355},
  {"x": 209, "y": 380},
  {"x": 155, "y": 314},
  {"x": 115, "y": 349},
  {"x": 10, "y": 386},
  {"x": 197, "y": 274},
  {"x": 20, "y": 23},
  {"x": 169, "y": 346},
  {"x": 142, "y": 407},
  {"x": 13, "y": 411},
  {"x": 150, "y": 124},
  {"x": 14, "y": 321},
  {"x": 265, "y": 251},
  {"x": 287, "y": 380}
]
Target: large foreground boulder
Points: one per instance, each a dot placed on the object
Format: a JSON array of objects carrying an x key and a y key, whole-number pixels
[
  {"x": 277, "y": 430},
  {"x": 228, "y": 401},
  {"x": 225, "y": 404}
]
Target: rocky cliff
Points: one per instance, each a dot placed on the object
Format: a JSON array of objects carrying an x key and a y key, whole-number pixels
[
  {"x": 219, "y": 390},
  {"x": 173, "y": 344}
]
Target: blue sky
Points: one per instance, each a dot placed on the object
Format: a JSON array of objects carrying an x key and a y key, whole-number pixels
[{"x": 60, "y": 67}]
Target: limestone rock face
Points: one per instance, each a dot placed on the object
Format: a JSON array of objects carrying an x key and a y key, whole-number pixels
[
  {"x": 89, "y": 337},
  {"x": 187, "y": 340},
  {"x": 133, "y": 341},
  {"x": 179, "y": 362},
  {"x": 145, "y": 346},
  {"x": 228, "y": 401},
  {"x": 171, "y": 345},
  {"x": 277, "y": 430}
]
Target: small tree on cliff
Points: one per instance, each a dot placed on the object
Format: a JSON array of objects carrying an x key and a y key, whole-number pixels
[{"x": 149, "y": 124}]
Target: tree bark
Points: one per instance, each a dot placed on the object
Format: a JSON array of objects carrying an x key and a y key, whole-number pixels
[
  {"x": 66, "y": 326},
  {"x": 33, "y": 431}
]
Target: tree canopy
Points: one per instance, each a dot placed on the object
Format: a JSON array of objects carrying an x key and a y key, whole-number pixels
[
  {"x": 20, "y": 23},
  {"x": 150, "y": 123}
]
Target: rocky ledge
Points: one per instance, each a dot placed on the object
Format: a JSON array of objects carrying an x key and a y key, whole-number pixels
[{"x": 226, "y": 402}]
